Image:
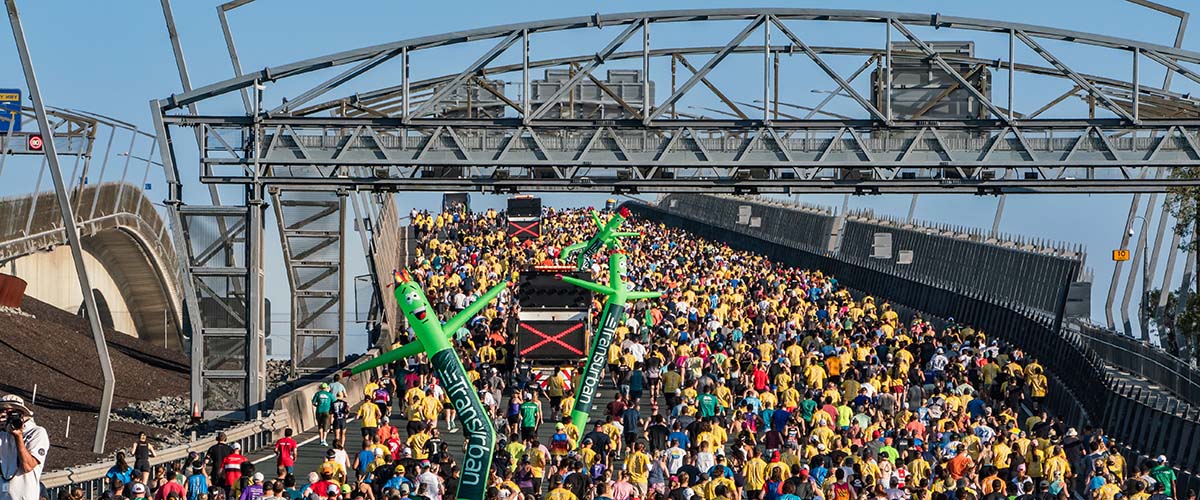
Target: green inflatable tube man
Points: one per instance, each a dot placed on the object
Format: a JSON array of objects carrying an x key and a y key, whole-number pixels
[
  {"x": 433, "y": 338},
  {"x": 614, "y": 308},
  {"x": 606, "y": 235}
]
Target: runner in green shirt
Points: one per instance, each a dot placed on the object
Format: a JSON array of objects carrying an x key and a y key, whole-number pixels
[
  {"x": 807, "y": 407},
  {"x": 1165, "y": 476},
  {"x": 323, "y": 400},
  {"x": 531, "y": 417},
  {"x": 709, "y": 405}
]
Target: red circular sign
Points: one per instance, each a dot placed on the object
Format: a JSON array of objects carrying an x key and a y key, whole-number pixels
[{"x": 35, "y": 143}]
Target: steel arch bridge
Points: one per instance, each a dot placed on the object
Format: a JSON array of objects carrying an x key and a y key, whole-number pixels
[{"x": 436, "y": 130}]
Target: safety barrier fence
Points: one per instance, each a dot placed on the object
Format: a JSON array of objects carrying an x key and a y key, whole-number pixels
[
  {"x": 1036, "y": 274},
  {"x": 292, "y": 410},
  {"x": 1029, "y": 278},
  {"x": 1081, "y": 390},
  {"x": 1133, "y": 356}
]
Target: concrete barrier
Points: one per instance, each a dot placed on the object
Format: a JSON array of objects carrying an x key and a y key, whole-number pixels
[{"x": 296, "y": 406}]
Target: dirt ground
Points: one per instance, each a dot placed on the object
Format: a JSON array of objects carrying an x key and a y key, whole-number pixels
[{"x": 56, "y": 352}]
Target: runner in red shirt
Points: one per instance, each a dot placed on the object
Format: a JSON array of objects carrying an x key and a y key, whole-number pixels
[
  {"x": 285, "y": 451},
  {"x": 171, "y": 487},
  {"x": 232, "y": 465}
]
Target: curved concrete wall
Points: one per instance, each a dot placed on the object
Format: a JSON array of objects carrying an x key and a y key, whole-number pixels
[
  {"x": 128, "y": 257},
  {"x": 51, "y": 279}
]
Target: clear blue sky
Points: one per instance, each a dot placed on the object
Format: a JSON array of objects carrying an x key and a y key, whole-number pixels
[{"x": 112, "y": 57}]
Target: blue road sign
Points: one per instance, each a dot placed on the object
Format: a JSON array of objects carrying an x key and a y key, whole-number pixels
[{"x": 10, "y": 110}]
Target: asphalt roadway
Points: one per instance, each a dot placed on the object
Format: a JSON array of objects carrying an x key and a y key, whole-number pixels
[{"x": 310, "y": 454}]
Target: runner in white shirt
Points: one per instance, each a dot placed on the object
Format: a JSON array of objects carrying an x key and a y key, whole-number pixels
[
  {"x": 430, "y": 481},
  {"x": 675, "y": 457}
]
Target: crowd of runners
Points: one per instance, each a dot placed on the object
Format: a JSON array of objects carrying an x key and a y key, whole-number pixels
[{"x": 747, "y": 380}]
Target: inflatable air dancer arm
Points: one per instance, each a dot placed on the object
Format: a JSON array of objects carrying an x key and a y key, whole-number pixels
[
  {"x": 433, "y": 338},
  {"x": 618, "y": 295},
  {"x": 606, "y": 236}
]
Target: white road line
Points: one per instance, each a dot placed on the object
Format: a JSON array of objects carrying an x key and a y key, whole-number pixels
[{"x": 298, "y": 445}]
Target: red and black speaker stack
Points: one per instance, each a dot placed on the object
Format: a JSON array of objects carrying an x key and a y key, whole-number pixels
[
  {"x": 524, "y": 218},
  {"x": 553, "y": 325}
]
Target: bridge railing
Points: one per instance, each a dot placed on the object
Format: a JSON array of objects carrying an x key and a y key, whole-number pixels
[
  {"x": 1170, "y": 372},
  {"x": 252, "y": 436},
  {"x": 292, "y": 410},
  {"x": 1082, "y": 392},
  {"x": 34, "y": 222}
]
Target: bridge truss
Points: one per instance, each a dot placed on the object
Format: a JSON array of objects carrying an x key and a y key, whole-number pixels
[{"x": 489, "y": 126}]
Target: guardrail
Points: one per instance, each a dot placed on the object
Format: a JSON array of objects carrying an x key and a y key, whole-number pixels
[
  {"x": 292, "y": 410},
  {"x": 1170, "y": 372},
  {"x": 252, "y": 436},
  {"x": 34, "y": 222}
]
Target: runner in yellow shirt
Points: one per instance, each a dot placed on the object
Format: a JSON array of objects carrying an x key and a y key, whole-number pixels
[{"x": 637, "y": 464}]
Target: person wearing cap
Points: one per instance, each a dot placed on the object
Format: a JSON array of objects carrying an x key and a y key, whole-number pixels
[
  {"x": 558, "y": 491},
  {"x": 336, "y": 471},
  {"x": 231, "y": 466},
  {"x": 398, "y": 478},
  {"x": 255, "y": 490},
  {"x": 1165, "y": 476},
  {"x": 23, "y": 448},
  {"x": 322, "y": 401},
  {"x": 139, "y": 492},
  {"x": 429, "y": 481},
  {"x": 560, "y": 443}
]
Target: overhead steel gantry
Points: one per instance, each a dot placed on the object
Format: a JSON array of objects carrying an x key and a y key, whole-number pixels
[
  {"x": 394, "y": 140},
  {"x": 430, "y": 131}
]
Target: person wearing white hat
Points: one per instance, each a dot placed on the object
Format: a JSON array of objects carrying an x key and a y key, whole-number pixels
[
  {"x": 139, "y": 492},
  {"x": 23, "y": 448},
  {"x": 254, "y": 491},
  {"x": 1165, "y": 476}
]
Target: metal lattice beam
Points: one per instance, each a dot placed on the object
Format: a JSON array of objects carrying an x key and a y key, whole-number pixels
[{"x": 404, "y": 138}]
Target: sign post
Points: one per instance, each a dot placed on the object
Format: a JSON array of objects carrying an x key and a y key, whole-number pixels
[{"x": 1120, "y": 255}]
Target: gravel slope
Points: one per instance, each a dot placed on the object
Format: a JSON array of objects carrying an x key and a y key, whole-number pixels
[{"x": 54, "y": 349}]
